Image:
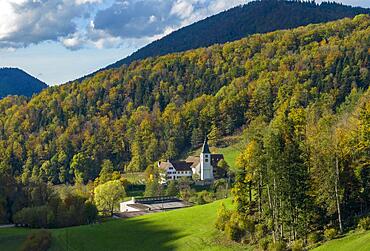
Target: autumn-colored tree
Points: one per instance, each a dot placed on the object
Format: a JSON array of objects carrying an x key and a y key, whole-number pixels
[{"x": 107, "y": 196}]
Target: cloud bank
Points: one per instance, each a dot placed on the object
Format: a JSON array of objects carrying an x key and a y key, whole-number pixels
[{"x": 78, "y": 24}]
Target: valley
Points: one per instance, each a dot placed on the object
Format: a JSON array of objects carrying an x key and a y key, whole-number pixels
[{"x": 252, "y": 126}]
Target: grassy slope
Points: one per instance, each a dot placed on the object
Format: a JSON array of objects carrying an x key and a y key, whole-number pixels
[
  {"x": 234, "y": 146},
  {"x": 230, "y": 154},
  {"x": 357, "y": 241},
  {"x": 184, "y": 229}
]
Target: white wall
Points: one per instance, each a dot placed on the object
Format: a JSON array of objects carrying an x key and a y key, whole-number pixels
[
  {"x": 206, "y": 169},
  {"x": 124, "y": 206}
]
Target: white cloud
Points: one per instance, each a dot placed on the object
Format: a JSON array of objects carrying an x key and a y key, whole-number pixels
[
  {"x": 102, "y": 23},
  {"x": 182, "y": 9},
  {"x": 72, "y": 42},
  {"x": 25, "y": 22},
  {"x": 87, "y": 1},
  {"x": 8, "y": 17}
]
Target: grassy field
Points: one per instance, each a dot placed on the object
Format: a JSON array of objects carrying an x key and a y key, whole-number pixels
[
  {"x": 183, "y": 229},
  {"x": 230, "y": 154},
  {"x": 352, "y": 242},
  {"x": 135, "y": 178}
]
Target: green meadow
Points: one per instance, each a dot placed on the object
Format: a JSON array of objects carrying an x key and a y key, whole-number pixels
[
  {"x": 351, "y": 242},
  {"x": 183, "y": 229}
]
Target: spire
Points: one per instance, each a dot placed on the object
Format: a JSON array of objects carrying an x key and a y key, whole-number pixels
[{"x": 205, "y": 148}]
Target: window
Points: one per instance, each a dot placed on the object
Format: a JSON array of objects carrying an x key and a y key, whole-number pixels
[{"x": 206, "y": 160}]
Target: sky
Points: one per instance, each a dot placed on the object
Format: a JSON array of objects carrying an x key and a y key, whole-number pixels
[{"x": 61, "y": 40}]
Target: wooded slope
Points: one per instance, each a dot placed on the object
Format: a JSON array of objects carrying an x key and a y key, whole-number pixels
[
  {"x": 161, "y": 107},
  {"x": 236, "y": 23}
]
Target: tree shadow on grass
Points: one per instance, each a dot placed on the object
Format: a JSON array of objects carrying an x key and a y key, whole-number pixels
[{"x": 124, "y": 234}]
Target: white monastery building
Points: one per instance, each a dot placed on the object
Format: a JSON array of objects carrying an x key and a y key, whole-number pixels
[{"x": 205, "y": 165}]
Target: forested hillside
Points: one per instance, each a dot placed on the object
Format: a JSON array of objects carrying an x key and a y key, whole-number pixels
[
  {"x": 161, "y": 107},
  {"x": 17, "y": 82},
  {"x": 236, "y": 23}
]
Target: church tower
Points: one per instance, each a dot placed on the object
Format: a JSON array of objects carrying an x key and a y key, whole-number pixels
[{"x": 206, "y": 169}]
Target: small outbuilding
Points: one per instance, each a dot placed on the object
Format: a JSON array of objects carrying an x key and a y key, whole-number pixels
[{"x": 152, "y": 204}]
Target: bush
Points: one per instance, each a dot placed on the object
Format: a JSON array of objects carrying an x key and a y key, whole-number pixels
[
  {"x": 250, "y": 229},
  {"x": 261, "y": 231},
  {"x": 263, "y": 244},
  {"x": 38, "y": 241},
  {"x": 223, "y": 216},
  {"x": 71, "y": 211},
  {"x": 234, "y": 229},
  {"x": 297, "y": 245},
  {"x": 91, "y": 212},
  {"x": 277, "y": 246},
  {"x": 203, "y": 197},
  {"x": 364, "y": 224},
  {"x": 35, "y": 217},
  {"x": 330, "y": 233},
  {"x": 313, "y": 238}
]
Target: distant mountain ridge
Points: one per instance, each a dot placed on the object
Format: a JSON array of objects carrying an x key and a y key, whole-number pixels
[
  {"x": 14, "y": 81},
  {"x": 233, "y": 24}
]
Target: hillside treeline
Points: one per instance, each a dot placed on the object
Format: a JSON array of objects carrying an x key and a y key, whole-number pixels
[
  {"x": 297, "y": 84},
  {"x": 304, "y": 176},
  {"x": 253, "y": 17},
  {"x": 161, "y": 107}
]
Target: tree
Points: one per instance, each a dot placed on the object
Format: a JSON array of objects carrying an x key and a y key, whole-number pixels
[
  {"x": 172, "y": 189},
  {"x": 108, "y": 195},
  {"x": 106, "y": 172},
  {"x": 223, "y": 169},
  {"x": 214, "y": 135},
  {"x": 79, "y": 166},
  {"x": 153, "y": 188},
  {"x": 137, "y": 162}
]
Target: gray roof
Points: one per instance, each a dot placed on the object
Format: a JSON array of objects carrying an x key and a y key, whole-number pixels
[
  {"x": 181, "y": 165},
  {"x": 205, "y": 148},
  {"x": 194, "y": 160},
  {"x": 177, "y": 165}
]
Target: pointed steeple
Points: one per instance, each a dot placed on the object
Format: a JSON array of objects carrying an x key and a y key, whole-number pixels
[{"x": 205, "y": 148}]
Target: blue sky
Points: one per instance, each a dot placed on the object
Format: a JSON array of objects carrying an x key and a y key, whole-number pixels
[{"x": 61, "y": 40}]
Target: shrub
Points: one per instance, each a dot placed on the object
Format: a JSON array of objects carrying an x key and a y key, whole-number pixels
[
  {"x": 35, "y": 217},
  {"x": 71, "y": 211},
  {"x": 313, "y": 238},
  {"x": 203, "y": 197},
  {"x": 330, "y": 233},
  {"x": 297, "y": 245},
  {"x": 263, "y": 244},
  {"x": 233, "y": 231},
  {"x": 364, "y": 223},
  {"x": 37, "y": 241},
  {"x": 223, "y": 216},
  {"x": 277, "y": 246},
  {"x": 261, "y": 231},
  {"x": 234, "y": 228},
  {"x": 248, "y": 223},
  {"x": 91, "y": 212}
]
